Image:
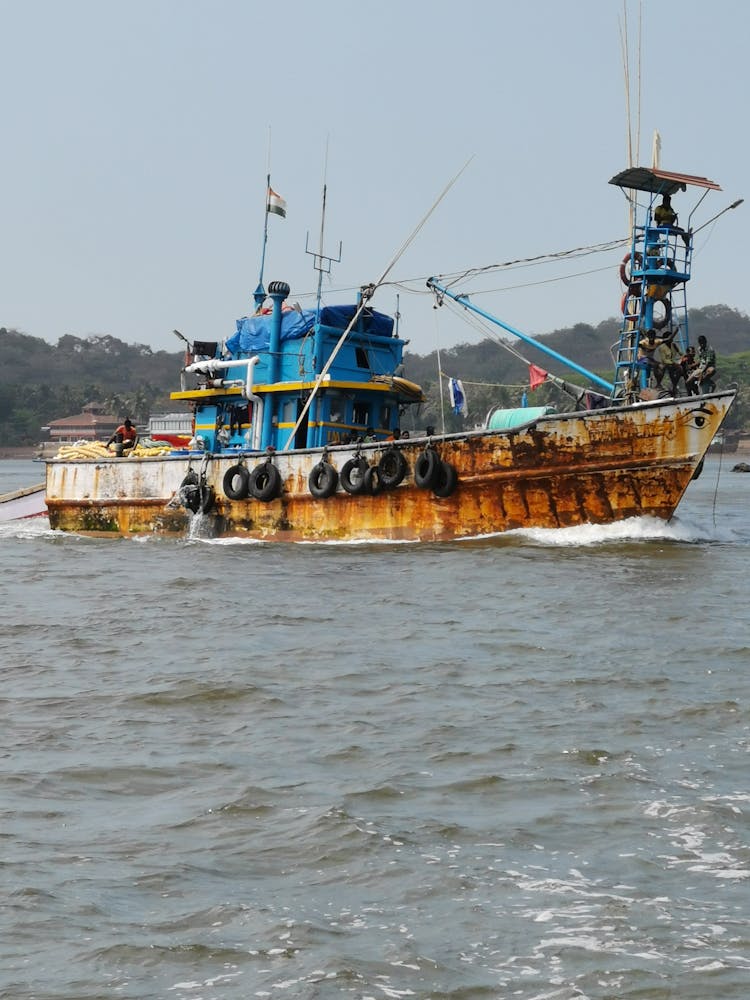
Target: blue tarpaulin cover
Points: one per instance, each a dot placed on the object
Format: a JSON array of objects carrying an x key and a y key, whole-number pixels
[
  {"x": 254, "y": 332},
  {"x": 339, "y": 317}
]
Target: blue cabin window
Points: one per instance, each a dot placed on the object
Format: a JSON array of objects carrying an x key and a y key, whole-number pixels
[
  {"x": 289, "y": 411},
  {"x": 361, "y": 414},
  {"x": 362, "y": 360}
]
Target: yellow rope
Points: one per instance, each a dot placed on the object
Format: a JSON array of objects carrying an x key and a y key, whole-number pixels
[{"x": 98, "y": 450}]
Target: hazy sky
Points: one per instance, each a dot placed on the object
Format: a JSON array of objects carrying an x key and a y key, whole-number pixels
[{"x": 136, "y": 145}]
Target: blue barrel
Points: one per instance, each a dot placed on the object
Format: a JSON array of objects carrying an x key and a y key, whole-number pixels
[{"x": 501, "y": 420}]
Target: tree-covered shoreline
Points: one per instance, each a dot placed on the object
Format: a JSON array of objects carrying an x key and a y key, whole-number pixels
[{"x": 41, "y": 382}]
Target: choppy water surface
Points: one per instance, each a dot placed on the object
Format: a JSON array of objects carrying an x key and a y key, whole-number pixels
[{"x": 508, "y": 768}]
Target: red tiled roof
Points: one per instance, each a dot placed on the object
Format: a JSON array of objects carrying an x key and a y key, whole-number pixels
[
  {"x": 85, "y": 425},
  {"x": 86, "y": 420}
]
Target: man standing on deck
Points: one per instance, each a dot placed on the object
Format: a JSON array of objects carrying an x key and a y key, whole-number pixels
[
  {"x": 702, "y": 378},
  {"x": 647, "y": 359}
]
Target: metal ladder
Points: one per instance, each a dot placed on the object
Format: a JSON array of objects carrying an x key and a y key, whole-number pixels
[{"x": 655, "y": 274}]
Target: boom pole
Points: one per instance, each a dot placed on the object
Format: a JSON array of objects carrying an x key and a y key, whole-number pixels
[{"x": 463, "y": 300}]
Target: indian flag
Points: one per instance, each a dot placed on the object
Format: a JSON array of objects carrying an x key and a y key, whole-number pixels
[{"x": 276, "y": 204}]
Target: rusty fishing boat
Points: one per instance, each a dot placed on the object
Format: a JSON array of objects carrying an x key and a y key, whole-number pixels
[{"x": 297, "y": 416}]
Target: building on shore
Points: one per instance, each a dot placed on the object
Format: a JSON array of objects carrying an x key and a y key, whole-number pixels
[{"x": 92, "y": 424}]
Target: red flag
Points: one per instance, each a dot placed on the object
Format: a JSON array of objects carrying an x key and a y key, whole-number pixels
[{"x": 536, "y": 376}]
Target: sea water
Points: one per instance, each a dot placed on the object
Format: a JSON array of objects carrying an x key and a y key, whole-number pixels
[{"x": 513, "y": 767}]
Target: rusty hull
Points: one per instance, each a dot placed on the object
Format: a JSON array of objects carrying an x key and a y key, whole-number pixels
[{"x": 569, "y": 469}]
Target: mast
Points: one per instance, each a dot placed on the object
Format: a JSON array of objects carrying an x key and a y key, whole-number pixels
[
  {"x": 366, "y": 294},
  {"x": 655, "y": 271},
  {"x": 260, "y": 293},
  {"x": 321, "y": 263}
]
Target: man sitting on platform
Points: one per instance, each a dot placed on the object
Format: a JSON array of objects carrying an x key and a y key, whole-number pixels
[{"x": 665, "y": 215}]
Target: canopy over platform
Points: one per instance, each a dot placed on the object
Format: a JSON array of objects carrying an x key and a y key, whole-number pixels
[{"x": 660, "y": 181}]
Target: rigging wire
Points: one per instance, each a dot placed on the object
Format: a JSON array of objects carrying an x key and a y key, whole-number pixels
[
  {"x": 483, "y": 327},
  {"x": 453, "y": 277},
  {"x": 489, "y": 385},
  {"x": 367, "y": 292},
  {"x": 532, "y": 284},
  {"x": 570, "y": 389},
  {"x": 440, "y": 381},
  {"x": 718, "y": 477}
]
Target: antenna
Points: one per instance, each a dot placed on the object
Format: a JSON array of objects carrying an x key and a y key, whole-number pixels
[
  {"x": 367, "y": 292},
  {"x": 321, "y": 263},
  {"x": 638, "y": 107},
  {"x": 735, "y": 204},
  {"x": 633, "y": 133},
  {"x": 626, "y": 74}
]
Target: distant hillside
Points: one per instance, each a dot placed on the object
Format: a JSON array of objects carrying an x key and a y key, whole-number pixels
[
  {"x": 75, "y": 361},
  {"x": 491, "y": 375},
  {"x": 40, "y": 382},
  {"x": 728, "y": 330}
]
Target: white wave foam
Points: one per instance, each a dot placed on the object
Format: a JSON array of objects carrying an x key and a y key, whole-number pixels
[
  {"x": 29, "y": 527},
  {"x": 634, "y": 529}
]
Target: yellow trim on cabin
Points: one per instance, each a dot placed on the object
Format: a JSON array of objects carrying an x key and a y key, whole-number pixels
[
  {"x": 288, "y": 424},
  {"x": 285, "y": 387}
]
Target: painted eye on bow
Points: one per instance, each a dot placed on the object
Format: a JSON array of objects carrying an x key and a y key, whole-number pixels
[{"x": 699, "y": 416}]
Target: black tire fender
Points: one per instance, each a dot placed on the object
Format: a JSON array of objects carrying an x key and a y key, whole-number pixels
[
  {"x": 392, "y": 468},
  {"x": 447, "y": 480},
  {"x": 323, "y": 480},
  {"x": 189, "y": 493},
  {"x": 661, "y": 323},
  {"x": 427, "y": 469},
  {"x": 190, "y": 498},
  {"x": 352, "y": 476},
  {"x": 235, "y": 483},
  {"x": 264, "y": 482},
  {"x": 207, "y": 498},
  {"x": 372, "y": 480}
]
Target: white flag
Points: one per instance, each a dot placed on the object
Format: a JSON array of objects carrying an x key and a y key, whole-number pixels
[
  {"x": 655, "y": 151},
  {"x": 458, "y": 396},
  {"x": 276, "y": 204}
]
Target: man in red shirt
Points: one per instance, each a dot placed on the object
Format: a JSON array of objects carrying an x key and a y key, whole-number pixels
[{"x": 125, "y": 435}]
